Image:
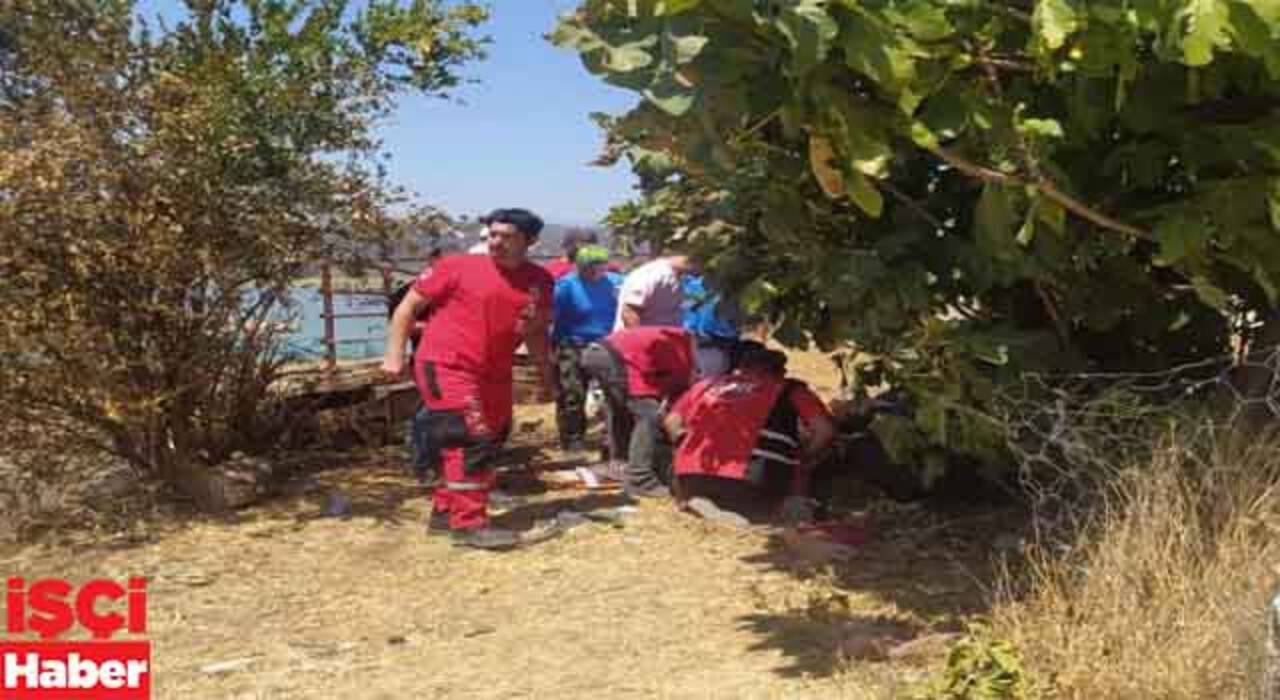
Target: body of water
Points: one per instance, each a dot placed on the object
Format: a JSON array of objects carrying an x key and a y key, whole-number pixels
[{"x": 358, "y": 338}]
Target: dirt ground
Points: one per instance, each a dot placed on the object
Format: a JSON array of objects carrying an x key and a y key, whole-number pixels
[{"x": 278, "y": 602}]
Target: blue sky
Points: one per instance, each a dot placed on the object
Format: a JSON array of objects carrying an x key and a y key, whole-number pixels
[{"x": 519, "y": 137}]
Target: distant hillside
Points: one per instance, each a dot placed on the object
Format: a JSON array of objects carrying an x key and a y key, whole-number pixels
[{"x": 548, "y": 245}]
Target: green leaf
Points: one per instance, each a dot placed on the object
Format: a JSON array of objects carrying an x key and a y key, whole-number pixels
[
  {"x": 757, "y": 295},
  {"x": 873, "y": 49},
  {"x": 1028, "y": 230},
  {"x": 865, "y": 195},
  {"x": 687, "y": 48},
  {"x": 926, "y": 21},
  {"x": 900, "y": 437},
  {"x": 1256, "y": 35},
  {"x": 1206, "y": 30},
  {"x": 932, "y": 419},
  {"x": 864, "y": 139},
  {"x": 1050, "y": 213},
  {"x": 671, "y": 95},
  {"x": 1180, "y": 238},
  {"x": 675, "y": 7},
  {"x": 923, "y": 136},
  {"x": 1273, "y": 204},
  {"x": 994, "y": 221},
  {"x": 809, "y": 31},
  {"x": 630, "y": 57},
  {"x": 1209, "y": 294},
  {"x": 945, "y": 114},
  {"x": 1042, "y": 128},
  {"x": 1054, "y": 21}
]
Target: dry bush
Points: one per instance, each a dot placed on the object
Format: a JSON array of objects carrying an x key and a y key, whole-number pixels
[
  {"x": 1164, "y": 591},
  {"x": 161, "y": 189}
]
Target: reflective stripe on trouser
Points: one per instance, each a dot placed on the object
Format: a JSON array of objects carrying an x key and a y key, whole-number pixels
[
  {"x": 481, "y": 411},
  {"x": 571, "y": 403}
]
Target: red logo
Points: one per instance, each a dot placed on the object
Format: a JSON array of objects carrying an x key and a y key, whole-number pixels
[{"x": 102, "y": 669}]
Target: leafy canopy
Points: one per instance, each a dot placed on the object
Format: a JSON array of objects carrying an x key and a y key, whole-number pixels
[{"x": 959, "y": 191}]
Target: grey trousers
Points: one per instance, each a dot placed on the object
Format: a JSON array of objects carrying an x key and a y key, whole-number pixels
[{"x": 634, "y": 424}]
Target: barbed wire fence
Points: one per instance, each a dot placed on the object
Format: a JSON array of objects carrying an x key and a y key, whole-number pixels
[
  {"x": 1074, "y": 437},
  {"x": 1069, "y": 433}
]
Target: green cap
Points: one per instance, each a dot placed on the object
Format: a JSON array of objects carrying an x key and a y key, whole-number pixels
[{"x": 589, "y": 255}]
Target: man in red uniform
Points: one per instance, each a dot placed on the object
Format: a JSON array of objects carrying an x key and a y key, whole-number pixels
[
  {"x": 639, "y": 369},
  {"x": 746, "y": 441},
  {"x": 481, "y": 308},
  {"x": 425, "y": 463}
]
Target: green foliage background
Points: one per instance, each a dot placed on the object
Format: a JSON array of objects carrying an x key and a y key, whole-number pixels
[{"x": 959, "y": 191}]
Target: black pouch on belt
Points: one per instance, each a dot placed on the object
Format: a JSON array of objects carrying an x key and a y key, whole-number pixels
[{"x": 448, "y": 428}]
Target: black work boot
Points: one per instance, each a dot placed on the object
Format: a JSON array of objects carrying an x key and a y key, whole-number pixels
[{"x": 490, "y": 538}]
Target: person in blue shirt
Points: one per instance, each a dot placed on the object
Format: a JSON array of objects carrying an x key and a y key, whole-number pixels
[
  {"x": 713, "y": 323},
  {"x": 584, "y": 306}
]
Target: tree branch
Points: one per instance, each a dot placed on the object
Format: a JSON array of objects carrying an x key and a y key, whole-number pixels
[
  {"x": 1046, "y": 188},
  {"x": 911, "y": 204},
  {"x": 1051, "y": 307},
  {"x": 988, "y": 62},
  {"x": 974, "y": 170},
  {"x": 1088, "y": 213}
]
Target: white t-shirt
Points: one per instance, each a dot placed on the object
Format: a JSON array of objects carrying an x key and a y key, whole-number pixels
[
  {"x": 654, "y": 290},
  {"x": 481, "y": 248}
]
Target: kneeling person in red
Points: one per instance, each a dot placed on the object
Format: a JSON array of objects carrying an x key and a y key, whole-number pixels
[
  {"x": 639, "y": 369},
  {"x": 746, "y": 441},
  {"x": 482, "y": 308}
]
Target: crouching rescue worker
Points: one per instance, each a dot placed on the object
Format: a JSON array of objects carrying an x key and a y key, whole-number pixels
[
  {"x": 747, "y": 441},
  {"x": 481, "y": 308},
  {"x": 641, "y": 369}
]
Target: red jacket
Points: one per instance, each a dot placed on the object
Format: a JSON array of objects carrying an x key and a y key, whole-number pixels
[
  {"x": 659, "y": 359},
  {"x": 727, "y": 422}
]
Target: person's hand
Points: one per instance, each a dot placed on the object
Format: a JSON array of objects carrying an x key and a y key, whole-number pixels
[
  {"x": 797, "y": 510},
  {"x": 393, "y": 367}
]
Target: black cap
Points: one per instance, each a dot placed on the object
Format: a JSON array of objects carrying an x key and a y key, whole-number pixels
[{"x": 577, "y": 237}]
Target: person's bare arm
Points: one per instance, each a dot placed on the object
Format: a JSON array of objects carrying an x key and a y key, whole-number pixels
[
  {"x": 539, "y": 345},
  {"x": 819, "y": 432},
  {"x": 630, "y": 316},
  {"x": 398, "y": 332},
  {"x": 674, "y": 426},
  {"x": 817, "y": 435}
]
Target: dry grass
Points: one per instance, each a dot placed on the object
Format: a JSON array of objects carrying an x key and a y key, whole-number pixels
[
  {"x": 664, "y": 606},
  {"x": 1165, "y": 594}
]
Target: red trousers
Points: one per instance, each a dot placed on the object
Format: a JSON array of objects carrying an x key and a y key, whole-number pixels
[{"x": 470, "y": 417}]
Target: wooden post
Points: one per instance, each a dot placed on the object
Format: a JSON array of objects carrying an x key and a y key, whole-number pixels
[{"x": 330, "y": 327}]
